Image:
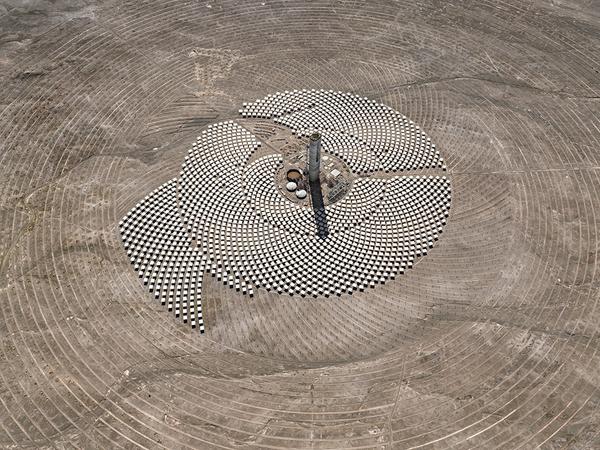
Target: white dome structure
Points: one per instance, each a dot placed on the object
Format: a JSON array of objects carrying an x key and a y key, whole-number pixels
[{"x": 301, "y": 193}]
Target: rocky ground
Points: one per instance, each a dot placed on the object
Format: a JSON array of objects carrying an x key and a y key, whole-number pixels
[{"x": 489, "y": 342}]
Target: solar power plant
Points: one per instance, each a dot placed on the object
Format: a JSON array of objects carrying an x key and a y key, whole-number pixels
[{"x": 300, "y": 225}]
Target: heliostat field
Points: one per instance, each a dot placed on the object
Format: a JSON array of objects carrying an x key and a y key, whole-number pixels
[{"x": 307, "y": 225}]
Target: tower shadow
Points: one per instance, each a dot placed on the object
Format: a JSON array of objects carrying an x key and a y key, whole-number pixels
[{"x": 319, "y": 211}]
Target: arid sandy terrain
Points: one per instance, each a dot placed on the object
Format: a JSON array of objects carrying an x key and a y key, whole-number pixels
[{"x": 490, "y": 341}]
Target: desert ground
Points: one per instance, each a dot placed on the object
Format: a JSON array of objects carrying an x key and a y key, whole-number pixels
[{"x": 491, "y": 341}]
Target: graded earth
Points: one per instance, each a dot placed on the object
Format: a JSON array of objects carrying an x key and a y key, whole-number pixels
[{"x": 480, "y": 331}]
